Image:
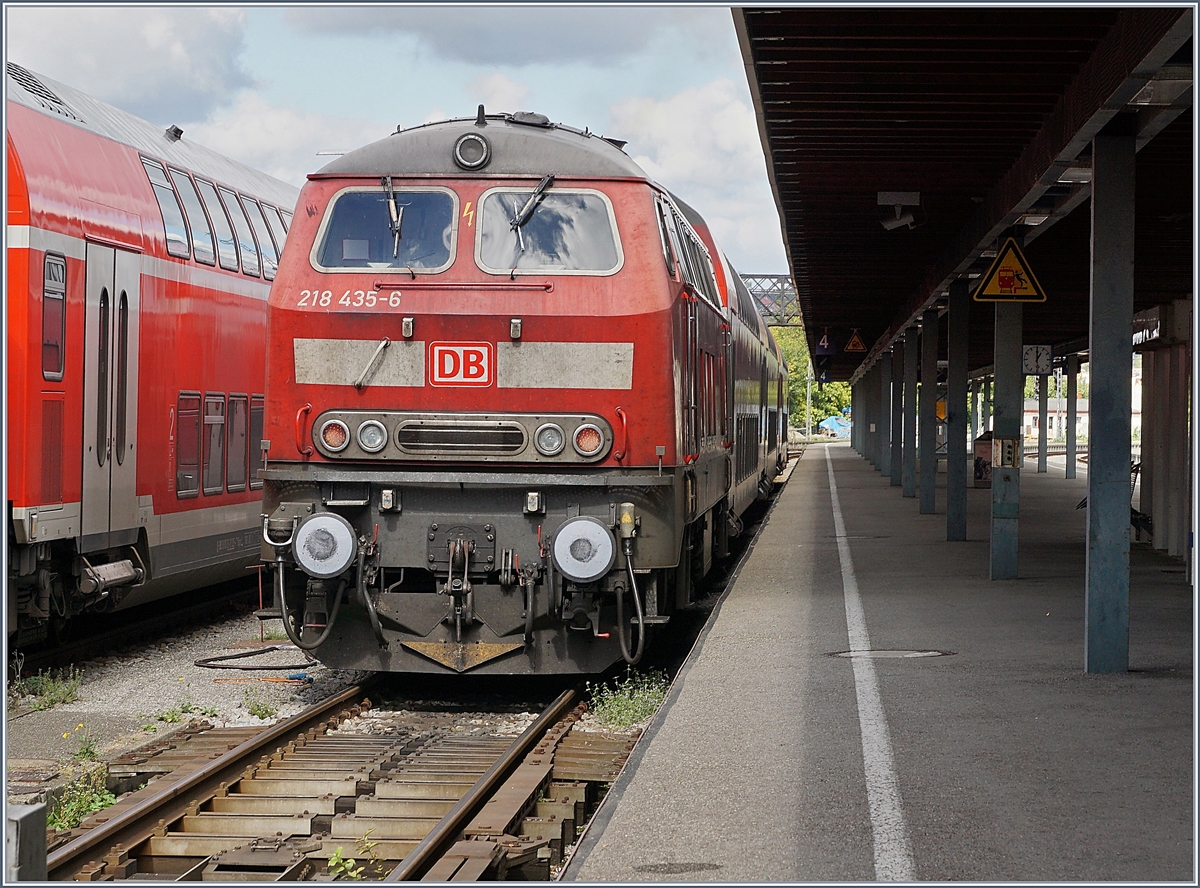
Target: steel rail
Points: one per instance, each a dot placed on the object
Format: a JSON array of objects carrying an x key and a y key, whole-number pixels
[
  {"x": 138, "y": 823},
  {"x": 437, "y": 842}
]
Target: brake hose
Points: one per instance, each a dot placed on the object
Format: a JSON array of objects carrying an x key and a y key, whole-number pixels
[
  {"x": 287, "y": 621},
  {"x": 366, "y": 598},
  {"x": 637, "y": 604}
]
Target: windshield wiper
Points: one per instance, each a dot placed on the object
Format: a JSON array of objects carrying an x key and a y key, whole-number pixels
[
  {"x": 526, "y": 212},
  {"x": 397, "y": 214}
]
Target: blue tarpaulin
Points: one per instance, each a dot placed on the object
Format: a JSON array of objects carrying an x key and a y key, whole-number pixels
[{"x": 836, "y": 426}]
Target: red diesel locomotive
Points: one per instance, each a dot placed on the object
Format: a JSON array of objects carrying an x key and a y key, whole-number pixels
[
  {"x": 138, "y": 270},
  {"x": 516, "y": 403}
]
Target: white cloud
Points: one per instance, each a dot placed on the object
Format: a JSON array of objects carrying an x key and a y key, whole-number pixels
[
  {"x": 516, "y": 36},
  {"x": 498, "y": 92},
  {"x": 703, "y": 144},
  {"x": 163, "y": 64},
  {"x": 281, "y": 141}
]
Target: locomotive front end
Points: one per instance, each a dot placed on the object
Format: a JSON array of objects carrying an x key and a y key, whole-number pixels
[{"x": 471, "y": 408}]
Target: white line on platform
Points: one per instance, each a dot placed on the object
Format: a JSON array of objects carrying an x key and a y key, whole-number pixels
[{"x": 893, "y": 851}]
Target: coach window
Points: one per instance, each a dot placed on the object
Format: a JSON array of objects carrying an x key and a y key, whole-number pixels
[
  {"x": 255, "y": 442},
  {"x": 569, "y": 231},
  {"x": 187, "y": 448},
  {"x": 202, "y": 239},
  {"x": 235, "y": 461},
  {"x": 172, "y": 212},
  {"x": 275, "y": 221},
  {"x": 358, "y": 231},
  {"x": 270, "y": 259},
  {"x": 54, "y": 317},
  {"x": 245, "y": 236},
  {"x": 226, "y": 246},
  {"x": 214, "y": 443}
]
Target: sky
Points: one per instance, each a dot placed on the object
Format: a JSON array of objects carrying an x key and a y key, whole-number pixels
[{"x": 272, "y": 86}]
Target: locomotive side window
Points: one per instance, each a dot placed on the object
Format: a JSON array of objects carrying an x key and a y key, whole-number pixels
[
  {"x": 270, "y": 259},
  {"x": 358, "y": 231},
  {"x": 187, "y": 469},
  {"x": 287, "y": 220},
  {"x": 275, "y": 221},
  {"x": 226, "y": 246},
  {"x": 214, "y": 443},
  {"x": 172, "y": 212},
  {"x": 235, "y": 463},
  {"x": 54, "y": 317},
  {"x": 256, "y": 433},
  {"x": 571, "y": 231},
  {"x": 202, "y": 239},
  {"x": 241, "y": 224},
  {"x": 668, "y": 255}
]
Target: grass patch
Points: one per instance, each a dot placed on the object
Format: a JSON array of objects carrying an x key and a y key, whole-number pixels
[
  {"x": 257, "y": 705},
  {"x": 84, "y": 795},
  {"x": 629, "y": 700},
  {"x": 47, "y": 689}
]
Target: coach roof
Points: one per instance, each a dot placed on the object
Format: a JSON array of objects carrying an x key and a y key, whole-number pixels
[{"x": 522, "y": 144}]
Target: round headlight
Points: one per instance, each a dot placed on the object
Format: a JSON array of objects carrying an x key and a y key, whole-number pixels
[
  {"x": 472, "y": 151},
  {"x": 584, "y": 549},
  {"x": 324, "y": 545},
  {"x": 588, "y": 440},
  {"x": 335, "y": 435},
  {"x": 549, "y": 439},
  {"x": 372, "y": 436}
]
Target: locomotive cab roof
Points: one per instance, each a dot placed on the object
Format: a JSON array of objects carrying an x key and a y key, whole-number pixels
[{"x": 520, "y": 144}]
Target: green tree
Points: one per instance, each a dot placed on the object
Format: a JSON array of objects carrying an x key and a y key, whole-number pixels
[{"x": 827, "y": 400}]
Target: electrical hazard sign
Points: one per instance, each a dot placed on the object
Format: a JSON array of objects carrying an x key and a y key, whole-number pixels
[{"x": 1009, "y": 279}]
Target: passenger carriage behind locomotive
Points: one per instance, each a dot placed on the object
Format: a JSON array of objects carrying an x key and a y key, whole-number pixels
[
  {"x": 500, "y": 404},
  {"x": 138, "y": 265}
]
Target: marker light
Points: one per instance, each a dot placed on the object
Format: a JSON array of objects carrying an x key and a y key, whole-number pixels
[
  {"x": 372, "y": 436},
  {"x": 324, "y": 545},
  {"x": 549, "y": 439},
  {"x": 588, "y": 440},
  {"x": 472, "y": 151},
  {"x": 584, "y": 549},
  {"x": 335, "y": 435}
]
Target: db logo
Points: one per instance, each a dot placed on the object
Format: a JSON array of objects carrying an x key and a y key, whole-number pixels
[{"x": 461, "y": 363}]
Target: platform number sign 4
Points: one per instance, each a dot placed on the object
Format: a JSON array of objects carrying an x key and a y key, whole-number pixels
[{"x": 1037, "y": 360}]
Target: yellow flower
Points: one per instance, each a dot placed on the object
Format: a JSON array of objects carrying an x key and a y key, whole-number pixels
[
  {"x": 79, "y": 727},
  {"x": 66, "y": 735}
]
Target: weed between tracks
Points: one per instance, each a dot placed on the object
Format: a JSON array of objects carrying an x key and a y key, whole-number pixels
[
  {"x": 82, "y": 796},
  {"x": 630, "y": 700}
]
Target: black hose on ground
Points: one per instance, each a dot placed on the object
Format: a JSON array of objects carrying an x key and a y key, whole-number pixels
[{"x": 219, "y": 662}]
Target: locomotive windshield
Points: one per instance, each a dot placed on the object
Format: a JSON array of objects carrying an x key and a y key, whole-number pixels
[
  {"x": 359, "y": 231},
  {"x": 571, "y": 231}
]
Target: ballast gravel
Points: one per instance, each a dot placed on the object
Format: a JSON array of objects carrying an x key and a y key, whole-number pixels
[{"x": 141, "y": 693}]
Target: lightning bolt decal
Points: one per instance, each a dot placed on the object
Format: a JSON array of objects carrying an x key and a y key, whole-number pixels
[{"x": 469, "y": 215}]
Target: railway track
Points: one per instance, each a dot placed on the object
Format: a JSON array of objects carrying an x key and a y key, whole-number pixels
[{"x": 409, "y": 795}]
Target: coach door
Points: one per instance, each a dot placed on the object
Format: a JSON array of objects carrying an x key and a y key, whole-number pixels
[{"x": 110, "y": 378}]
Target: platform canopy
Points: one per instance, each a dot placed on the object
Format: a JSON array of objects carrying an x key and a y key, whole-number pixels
[{"x": 903, "y": 144}]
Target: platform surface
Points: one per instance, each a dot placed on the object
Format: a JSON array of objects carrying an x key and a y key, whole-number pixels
[{"x": 1009, "y": 762}]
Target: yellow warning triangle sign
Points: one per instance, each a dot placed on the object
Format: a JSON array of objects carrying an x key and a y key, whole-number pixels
[
  {"x": 855, "y": 344},
  {"x": 1010, "y": 279}
]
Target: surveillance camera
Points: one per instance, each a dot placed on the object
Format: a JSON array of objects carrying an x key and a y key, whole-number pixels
[{"x": 901, "y": 219}]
